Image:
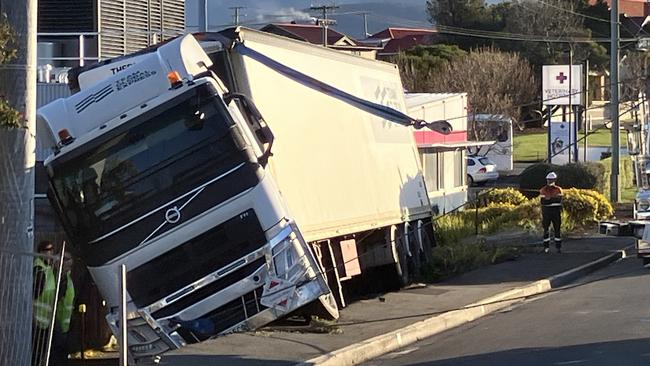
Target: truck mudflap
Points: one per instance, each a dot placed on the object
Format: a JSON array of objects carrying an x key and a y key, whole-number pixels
[
  {"x": 639, "y": 229},
  {"x": 287, "y": 279}
]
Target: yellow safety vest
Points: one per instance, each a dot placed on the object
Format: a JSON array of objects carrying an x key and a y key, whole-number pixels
[
  {"x": 65, "y": 306},
  {"x": 44, "y": 303}
]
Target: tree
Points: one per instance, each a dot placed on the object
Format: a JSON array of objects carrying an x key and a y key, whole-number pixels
[
  {"x": 9, "y": 117},
  {"x": 496, "y": 83},
  {"x": 634, "y": 75},
  {"x": 418, "y": 64},
  {"x": 549, "y": 19},
  {"x": 469, "y": 14}
]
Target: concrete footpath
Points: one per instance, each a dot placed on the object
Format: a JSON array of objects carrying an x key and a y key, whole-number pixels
[{"x": 369, "y": 328}]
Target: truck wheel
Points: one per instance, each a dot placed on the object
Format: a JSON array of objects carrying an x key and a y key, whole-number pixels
[
  {"x": 425, "y": 236},
  {"x": 400, "y": 254}
]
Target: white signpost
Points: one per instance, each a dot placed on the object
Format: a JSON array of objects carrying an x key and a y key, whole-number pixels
[{"x": 562, "y": 85}]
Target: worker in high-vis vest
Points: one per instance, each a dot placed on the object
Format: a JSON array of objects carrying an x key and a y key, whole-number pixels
[
  {"x": 44, "y": 302},
  {"x": 551, "y": 199}
]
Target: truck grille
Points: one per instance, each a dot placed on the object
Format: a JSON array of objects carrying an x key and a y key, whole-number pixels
[
  {"x": 210, "y": 289},
  {"x": 227, "y": 316},
  {"x": 195, "y": 259}
]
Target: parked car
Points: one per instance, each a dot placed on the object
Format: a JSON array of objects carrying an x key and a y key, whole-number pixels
[{"x": 480, "y": 170}]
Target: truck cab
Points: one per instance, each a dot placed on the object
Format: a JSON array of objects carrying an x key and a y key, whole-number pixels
[{"x": 157, "y": 166}]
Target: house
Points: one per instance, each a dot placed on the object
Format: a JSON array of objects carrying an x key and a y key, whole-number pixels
[
  {"x": 394, "y": 40},
  {"x": 633, "y": 8},
  {"x": 313, "y": 33},
  {"x": 443, "y": 156}
]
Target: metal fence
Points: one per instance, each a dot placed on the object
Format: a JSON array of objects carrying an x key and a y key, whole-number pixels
[
  {"x": 15, "y": 315},
  {"x": 17, "y": 307}
]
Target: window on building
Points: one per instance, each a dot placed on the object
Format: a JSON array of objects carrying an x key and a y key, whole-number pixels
[
  {"x": 431, "y": 172},
  {"x": 459, "y": 171}
]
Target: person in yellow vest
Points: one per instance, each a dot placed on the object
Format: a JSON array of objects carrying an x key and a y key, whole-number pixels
[{"x": 45, "y": 279}]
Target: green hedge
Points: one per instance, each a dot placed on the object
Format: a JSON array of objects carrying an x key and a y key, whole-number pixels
[
  {"x": 574, "y": 175},
  {"x": 626, "y": 174}
]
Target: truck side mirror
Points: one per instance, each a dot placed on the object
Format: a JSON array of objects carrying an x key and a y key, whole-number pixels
[{"x": 253, "y": 116}]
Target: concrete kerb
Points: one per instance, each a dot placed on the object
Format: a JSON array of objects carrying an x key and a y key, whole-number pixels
[{"x": 374, "y": 347}]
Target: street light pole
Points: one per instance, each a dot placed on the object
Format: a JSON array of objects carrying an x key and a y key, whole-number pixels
[{"x": 614, "y": 100}]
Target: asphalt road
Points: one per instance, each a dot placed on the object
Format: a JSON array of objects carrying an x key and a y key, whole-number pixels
[{"x": 604, "y": 319}]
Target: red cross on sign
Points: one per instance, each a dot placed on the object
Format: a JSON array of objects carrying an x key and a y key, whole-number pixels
[{"x": 561, "y": 78}]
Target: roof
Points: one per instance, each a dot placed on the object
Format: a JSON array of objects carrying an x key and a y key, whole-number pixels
[
  {"x": 397, "y": 33},
  {"x": 309, "y": 33},
  {"x": 451, "y": 145},
  {"x": 635, "y": 25},
  {"x": 396, "y": 45},
  {"x": 634, "y": 8},
  {"x": 418, "y": 99},
  {"x": 486, "y": 117}
]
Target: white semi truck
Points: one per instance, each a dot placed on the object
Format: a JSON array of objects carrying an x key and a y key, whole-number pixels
[{"x": 225, "y": 220}]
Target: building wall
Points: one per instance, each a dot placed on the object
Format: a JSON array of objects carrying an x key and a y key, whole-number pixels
[
  {"x": 445, "y": 175},
  {"x": 444, "y": 168},
  {"x": 130, "y": 25}
]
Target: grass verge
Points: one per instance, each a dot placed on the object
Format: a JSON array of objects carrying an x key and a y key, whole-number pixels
[{"x": 532, "y": 146}]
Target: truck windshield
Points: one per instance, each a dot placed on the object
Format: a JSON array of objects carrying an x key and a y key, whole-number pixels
[{"x": 145, "y": 163}]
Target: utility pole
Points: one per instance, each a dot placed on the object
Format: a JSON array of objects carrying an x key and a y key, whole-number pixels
[
  {"x": 236, "y": 9},
  {"x": 203, "y": 15},
  {"x": 324, "y": 21},
  {"x": 614, "y": 103},
  {"x": 365, "y": 24},
  {"x": 17, "y": 160}
]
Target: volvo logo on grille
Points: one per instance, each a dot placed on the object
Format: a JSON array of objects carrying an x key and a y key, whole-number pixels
[{"x": 173, "y": 215}]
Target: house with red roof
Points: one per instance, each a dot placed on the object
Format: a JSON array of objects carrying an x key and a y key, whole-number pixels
[
  {"x": 393, "y": 40},
  {"x": 313, "y": 33}
]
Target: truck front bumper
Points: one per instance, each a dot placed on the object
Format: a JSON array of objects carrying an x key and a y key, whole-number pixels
[{"x": 285, "y": 278}]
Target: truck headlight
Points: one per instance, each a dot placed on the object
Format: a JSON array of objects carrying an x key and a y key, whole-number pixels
[{"x": 289, "y": 258}]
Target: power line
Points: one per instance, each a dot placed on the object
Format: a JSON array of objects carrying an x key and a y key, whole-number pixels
[{"x": 575, "y": 12}]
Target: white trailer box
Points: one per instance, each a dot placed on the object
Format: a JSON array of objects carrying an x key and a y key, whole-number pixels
[{"x": 340, "y": 170}]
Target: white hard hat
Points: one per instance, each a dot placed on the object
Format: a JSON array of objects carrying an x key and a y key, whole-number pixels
[{"x": 551, "y": 175}]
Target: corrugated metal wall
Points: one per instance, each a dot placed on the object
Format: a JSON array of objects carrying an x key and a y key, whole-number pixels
[{"x": 129, "y": 25}]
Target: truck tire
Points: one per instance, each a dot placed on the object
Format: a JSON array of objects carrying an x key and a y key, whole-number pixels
[
  {"x": 402, "y": 259},
  {"x": 425, "y": 241}
]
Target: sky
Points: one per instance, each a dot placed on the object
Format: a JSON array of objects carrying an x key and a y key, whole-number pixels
[{"x": 408, "y": 13}]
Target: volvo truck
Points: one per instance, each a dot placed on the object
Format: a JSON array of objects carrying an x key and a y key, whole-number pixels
[{"x": 239, "y": 177}]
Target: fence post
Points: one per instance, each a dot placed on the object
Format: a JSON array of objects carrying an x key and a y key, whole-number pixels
[
  {"x": 50, "y": 334},
  {"x": 123, "y": 334},
  {"x": 476, "y": 212},
  {"x": 82, "y": 311}
]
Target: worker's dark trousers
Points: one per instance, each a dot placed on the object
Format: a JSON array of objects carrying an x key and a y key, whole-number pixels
[{"x": 551, "y": 215}]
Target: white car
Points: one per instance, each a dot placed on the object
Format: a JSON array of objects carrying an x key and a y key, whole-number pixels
[
  {"x": 480, "y": 170},
  {"x": 642, "y": 205}
]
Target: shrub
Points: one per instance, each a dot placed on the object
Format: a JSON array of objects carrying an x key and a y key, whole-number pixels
[
  {"x": 574, "y": 175},
  {"x": 598, "y": 170},
  {"x": 581, "y": 208},
  {"x": 458, "y": 258},
  {"x": 605, "y": 209},
  {"x": 503, "y": 195}
]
